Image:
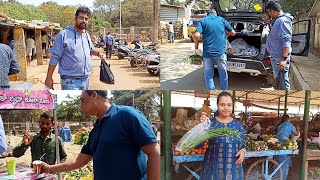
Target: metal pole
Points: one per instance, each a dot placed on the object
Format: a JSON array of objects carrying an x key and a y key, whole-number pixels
[
  {"x": 132, "y": 100},
  {"x": 167, "y": 130},
  {"x": 234, "y": 99},
  {"x": 120, "y": 21},
  {"x": 279, "y": 108},
  {"x": 56, "y": 139},
  {"x": 246, "y": 112},
  {"x": 285, "y": 102},
  {"x": 305, "y": 134}
]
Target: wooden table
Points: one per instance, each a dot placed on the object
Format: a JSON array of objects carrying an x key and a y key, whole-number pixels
[{"x": 312, "y": 155}]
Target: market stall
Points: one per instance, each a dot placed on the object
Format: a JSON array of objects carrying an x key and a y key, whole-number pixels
[
  {"x": 254, "y": 157},
  {"x": 29, "y": 100}
]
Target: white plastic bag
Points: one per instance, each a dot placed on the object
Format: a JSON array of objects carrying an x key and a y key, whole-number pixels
[{"x": 195, "y": 131}]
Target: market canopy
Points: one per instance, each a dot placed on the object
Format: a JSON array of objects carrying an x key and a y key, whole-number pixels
[
  {"x": 23, "y": 99},
  {"x": 272, "y": 96}
]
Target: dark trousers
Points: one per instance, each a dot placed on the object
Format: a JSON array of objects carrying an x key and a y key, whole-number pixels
[{"x": 108, "y": 50}]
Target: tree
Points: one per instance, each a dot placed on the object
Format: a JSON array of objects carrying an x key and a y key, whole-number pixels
[
  {"x": 144, "y": 100},
  {"x": 105, "y": 7},
  {"x": 19, "y": 11},
  {"x": 53, "y": 11},
  {"x": 21, "y": 115}
]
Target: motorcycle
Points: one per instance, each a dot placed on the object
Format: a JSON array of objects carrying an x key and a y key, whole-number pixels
[{"x": 153, "y": 66}]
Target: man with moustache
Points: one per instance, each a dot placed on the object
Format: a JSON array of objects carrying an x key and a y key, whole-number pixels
[
  {"x": 72, "y": 50},
  {"x": 43, "y": 144}
]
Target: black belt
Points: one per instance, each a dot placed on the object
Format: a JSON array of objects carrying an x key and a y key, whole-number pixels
[{"x": 73, "y": 77}]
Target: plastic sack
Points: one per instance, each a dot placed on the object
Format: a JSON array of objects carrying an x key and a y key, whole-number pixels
[
  {"x": 106, "y": 75},
  {"x": 198, "y": 130},
  {"x": 280, "y": 82},
  {"x": 239, "y": 45}
]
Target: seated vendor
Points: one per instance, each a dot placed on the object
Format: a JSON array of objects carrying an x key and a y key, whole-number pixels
[{"x": 43, "y": 144}]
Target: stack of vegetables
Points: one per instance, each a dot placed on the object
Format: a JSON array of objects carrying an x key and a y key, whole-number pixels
[
  {"x": 201, "y": 150},
  {"x": 269, "y": 142},
  {"x": 81, "y": 137},
  {"x": 84, "y": 173},
  {"x": 291, "y": 145}
]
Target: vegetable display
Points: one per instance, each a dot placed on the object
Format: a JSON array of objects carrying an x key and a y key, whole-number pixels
[{"x": 81, "y": 137}]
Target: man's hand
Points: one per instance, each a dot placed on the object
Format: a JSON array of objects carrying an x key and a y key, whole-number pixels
[
  {"x": 266, "y": 18},
  {"x": 282, "y": 64},
  {"x": 241, "y": 155},
  {"x": 49, "y": 82},
  {"x": 27, "y": 138},
  {"x": 45, "y": 168},
  {"x": 100, "y": 55},
  {"x": 196, "y": 46}
]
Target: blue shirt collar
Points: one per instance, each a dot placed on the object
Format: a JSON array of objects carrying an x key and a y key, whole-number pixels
[{"x": 110, "y": 110}]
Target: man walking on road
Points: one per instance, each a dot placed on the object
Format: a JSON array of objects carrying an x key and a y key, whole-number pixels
[
  {"x": 279, "y": 40},
  {"x": 109, "y": 43},
  {"x": 8, "y": 65},
  {"x": 121, "y": 144},
  {"x": 214, "y": 29},
  {"x": 72, "y": 50},
  {"x": 171, "y": 32}
]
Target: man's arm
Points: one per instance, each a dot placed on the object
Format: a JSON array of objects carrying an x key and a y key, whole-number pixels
[
  {"x": 14, "y": 65},
  {"x": 19, "y": 150},
  {"x": 80, "y": 161},
  {"x": 196, "y": 38},
  {"x": 152, "y": 150}
]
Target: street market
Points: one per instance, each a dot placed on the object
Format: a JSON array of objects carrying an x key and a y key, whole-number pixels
[{"x": 258, "y": 111}]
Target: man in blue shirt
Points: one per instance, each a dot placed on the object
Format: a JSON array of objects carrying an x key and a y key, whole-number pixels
[
  {"x": 279, "y": 39},
  {"x": 8, "y": 65},
  {"x": 214, "y": 29},
  {"x": 72, "y": 50},
  {"x": 3, "y": 142},
  {"x": 122, "y": 143},
  {"x": 109, "y": 43}
]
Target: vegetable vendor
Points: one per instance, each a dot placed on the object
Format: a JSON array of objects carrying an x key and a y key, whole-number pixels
[
  {"x": 224, "y": 156},
  {"x": 285, "y": 130},
  {"x": 43, "y": 144}
]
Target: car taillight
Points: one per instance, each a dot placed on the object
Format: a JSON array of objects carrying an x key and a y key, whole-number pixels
[{"x": 268, "y": 62}]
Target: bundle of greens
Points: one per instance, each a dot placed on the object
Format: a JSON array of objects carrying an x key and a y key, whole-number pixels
[
  {"x": 193, "y": 59},
  {"x": 192, "y": 138}
]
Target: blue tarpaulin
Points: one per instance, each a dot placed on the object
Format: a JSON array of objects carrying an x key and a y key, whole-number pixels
[{"x": 65, "y": 134}]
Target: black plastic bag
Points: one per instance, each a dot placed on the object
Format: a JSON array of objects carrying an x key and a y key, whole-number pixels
[
  {"x": 106, "y": 75},
  {"x": 280, "y": 82}
]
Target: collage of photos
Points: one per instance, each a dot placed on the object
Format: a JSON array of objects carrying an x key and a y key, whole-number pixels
[{"x": 83, "y": 94}]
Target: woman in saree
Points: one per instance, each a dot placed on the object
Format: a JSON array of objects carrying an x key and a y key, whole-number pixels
[
  {"x": 224, "y": 156},
  {"x": 285, "y": 131}
]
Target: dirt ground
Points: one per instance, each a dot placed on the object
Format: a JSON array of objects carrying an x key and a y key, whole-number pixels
[
  {"x": 71, "y": 149},
  {"x": 126, "y": 77},
  {"x": 315, "y": 51}
]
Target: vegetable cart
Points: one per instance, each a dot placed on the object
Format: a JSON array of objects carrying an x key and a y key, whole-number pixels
[{"x": 265, "y": 167}]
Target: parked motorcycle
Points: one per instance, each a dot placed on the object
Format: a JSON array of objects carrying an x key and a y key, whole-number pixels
[{"x": 153, "y": 66}]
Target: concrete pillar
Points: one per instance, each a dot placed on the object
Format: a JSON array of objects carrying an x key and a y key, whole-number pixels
[
  {"x": 38, "y": 47},
  {"x": 131, "y": 33},
  {"x": 317, "y": 36},
  {"x": 19, "y": 39}
]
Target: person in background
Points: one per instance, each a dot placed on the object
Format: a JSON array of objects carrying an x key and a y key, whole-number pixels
[
  {"x": 44, "y": 40},
  {"x": 3, "y": 142},
  {"x": 285, "y": 131},
  {"x": 29, "y": 46},
  {"x": 8, "y": 65},
  {"x": 12, "y": 44},
  {"x": 109, "y": 43},
  {"x": 171, "y": 32},
  {"x": 43, "y": 144}
]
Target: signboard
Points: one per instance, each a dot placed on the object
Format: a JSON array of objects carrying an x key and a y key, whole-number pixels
[
  {"x": 202, "y": 93},
  {"x": 23, "y": 99}
]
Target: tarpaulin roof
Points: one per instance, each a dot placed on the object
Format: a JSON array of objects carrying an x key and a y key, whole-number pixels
[{"x": 294, "y": 97}]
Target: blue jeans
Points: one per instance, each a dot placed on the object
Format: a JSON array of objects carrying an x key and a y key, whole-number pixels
[
  {"x": 171, "y": 36},
  {"x": 75, "y": 84},
  {"x": 276, "y": 69},
  {"x": 208, "y": 69}
]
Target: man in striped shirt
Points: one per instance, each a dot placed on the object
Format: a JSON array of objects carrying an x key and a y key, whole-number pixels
[{"x": 8, "y": 65}]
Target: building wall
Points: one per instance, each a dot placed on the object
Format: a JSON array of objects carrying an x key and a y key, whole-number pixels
[{"x": 173, "y": 14}]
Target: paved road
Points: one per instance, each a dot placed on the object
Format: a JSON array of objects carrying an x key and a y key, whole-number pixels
[
  {"x": 175, "y": 74},
  {"x": 126, "y": 77}
]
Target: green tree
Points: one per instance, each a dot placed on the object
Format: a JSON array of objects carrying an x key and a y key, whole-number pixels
[
  {"x": 147, "y": 101},
  {"x": 19, "y": 11},
  {"x": 22, "y": 115},
  {"x": 53, "y": 11}
]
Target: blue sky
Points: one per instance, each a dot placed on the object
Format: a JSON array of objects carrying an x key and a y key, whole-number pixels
[{"x": 88, "y": 3}]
